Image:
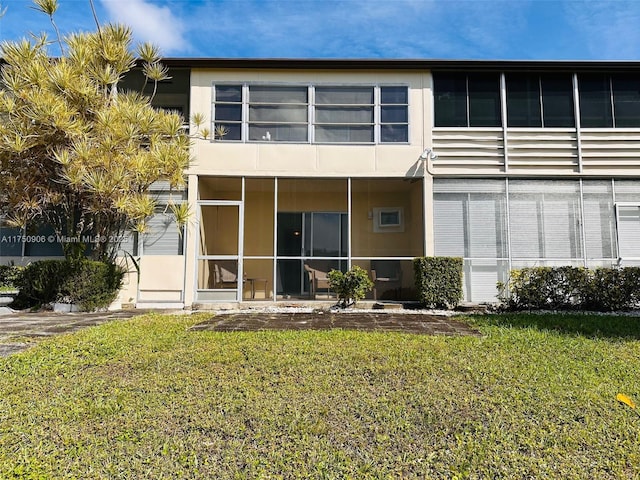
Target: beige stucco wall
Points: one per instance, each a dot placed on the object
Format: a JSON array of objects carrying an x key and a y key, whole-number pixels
[{"x": 269, "y": 159}]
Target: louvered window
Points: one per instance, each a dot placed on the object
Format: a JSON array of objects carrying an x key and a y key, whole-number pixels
[
  {"x": 163, "y": 236},
  {"x": 470, "y": 218},
  {"x": 545, "y": 219}
]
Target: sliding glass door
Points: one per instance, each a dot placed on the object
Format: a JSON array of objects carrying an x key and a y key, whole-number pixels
[{"x": 317, "y": 239}]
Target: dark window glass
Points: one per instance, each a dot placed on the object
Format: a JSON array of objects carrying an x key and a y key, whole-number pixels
[
  {"x": 275, "y": 132},
  {"x": 229, "y": 112},
  {"x": 228, "y": 93},
  {"x": 344, "y": 95},
  {"x": 397, "y": 95},
  {"x": 626, "y": 100},
  {"x": 557, "y": 100},
  {"x": 228, "y": 131},
  {"x": 595, "y": 101},
  {"x": 523, "y": 100},
  {"x": 344, "y": 134},
  {"x": 43, "y": 248},
  {"x": 484, "y": 100},
  {"x": 10, "y": 241},
  {"x": 450, "y": 99},
  {"x": 289, "y": 233},
  {"x": 394, "y": 133},
  {"x": 394, "y": 114}
]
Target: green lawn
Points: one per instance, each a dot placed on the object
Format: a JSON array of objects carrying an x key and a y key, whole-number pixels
[{"x": 146, "y": 398}]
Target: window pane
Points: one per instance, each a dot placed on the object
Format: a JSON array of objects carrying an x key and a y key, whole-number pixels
[
  {"x": 278, "y": 132},
  {"x": 344, "y": 134},
  {"x": 397, "y": 95},
  {"x": 10, "y": 241},
  {"x": 523, "y": 100},
  {"x": 344, "y": 114},
  {"x": 229, "y": 112},
  {"x": 344, "y": 95},
  {"x": 394, "y": 133},
  {"x": 484, "y": 100},
  {"x": 233, "y": 131},
  {"x": 228, "y": 93},
  {"x": 325, "y": 234},
  {"x": 270, "y": 94},
  {"x": 626, "y": 100},
  {"x": 450, "y": 99},
  {"x": 595, "y": 101},
  {"x": 289, "y": 233},
  {"x": 278, "y": 114},
  {"x": 557, "y": 101},
  {"x": 395, "y": 114}
]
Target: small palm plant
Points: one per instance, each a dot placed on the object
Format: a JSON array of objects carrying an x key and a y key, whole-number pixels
[{"x": 350, "y": 286}]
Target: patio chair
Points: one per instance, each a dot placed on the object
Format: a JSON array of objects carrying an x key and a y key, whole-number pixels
[
  {"x": 318, "y": 279},
  {"x": 386, "y": 275},
  {"x": 226, "y": 275}
]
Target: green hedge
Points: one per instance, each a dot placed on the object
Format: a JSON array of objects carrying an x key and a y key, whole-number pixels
[
  {"x": 9, "y": 275},
  {"x": 572, "y": 288},
  {"x": 438, "y": 281},
  {"x": 90, "y": 284}
]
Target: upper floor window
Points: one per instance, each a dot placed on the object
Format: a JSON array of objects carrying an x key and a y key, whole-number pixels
[
  {"x": 338, "y": 114},
  {"x": 609, "y": 100},
  {"x": 228, "y": 112},
  {"x": 394, "y": 114},
  {"x": 467, "y": 100},
  {"x": 539, "y": 100},
  {"x": 278, "y": 114},
  {"x": 344, "y": 115}
]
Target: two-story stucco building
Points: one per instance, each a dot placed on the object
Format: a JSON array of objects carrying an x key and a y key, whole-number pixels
[{"x": 320, "y": 164}]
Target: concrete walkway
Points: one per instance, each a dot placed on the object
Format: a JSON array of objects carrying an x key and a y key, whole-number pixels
[{"x": 17, "y": 327}]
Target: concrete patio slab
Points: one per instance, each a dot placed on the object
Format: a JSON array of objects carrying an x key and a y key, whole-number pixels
[{"x": 393, "y": 321}]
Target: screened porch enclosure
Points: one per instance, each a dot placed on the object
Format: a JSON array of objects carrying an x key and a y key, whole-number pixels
[
  {"x": 499, "y": 225},
  {"x": 277, "y": 238}
]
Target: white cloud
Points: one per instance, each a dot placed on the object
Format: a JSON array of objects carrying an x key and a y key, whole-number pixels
[
  {"x": 150, "y": 23},
  {"x": 609, "y": 30}
]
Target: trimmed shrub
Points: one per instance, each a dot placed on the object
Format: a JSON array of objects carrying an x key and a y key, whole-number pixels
[
  {"x": 350, "y": 286},
  {"x": 549, "y": 288},
  {"x": 614, "y": 289},
  {"x": 438, "y": 281},
  {"x": 571, "y": 288},
  {"x": 40, "y": 282},
  {"x": 90, "y": 284},
  {"x": 9, "y": 275}
]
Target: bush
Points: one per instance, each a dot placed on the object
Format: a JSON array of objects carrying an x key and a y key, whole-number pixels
[
  {"x": 90, "y": 284},
  {"x": 350, "y": 286},
  {"x": 40, "y": 282},
  {"x": 438, "y": 281},
  {"x": 547, "y": 288},
  {"x": 9, "y": 275},
  {"x": 571, "y": 288}
]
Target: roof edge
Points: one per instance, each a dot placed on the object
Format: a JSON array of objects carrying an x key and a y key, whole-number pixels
[{"x": 397, "y": 64}]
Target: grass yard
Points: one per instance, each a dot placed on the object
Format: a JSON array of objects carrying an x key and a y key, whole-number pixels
[{"x": 146, "y": 398}]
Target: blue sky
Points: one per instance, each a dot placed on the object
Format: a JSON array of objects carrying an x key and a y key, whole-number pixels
[{"x": 422, "y": 29}]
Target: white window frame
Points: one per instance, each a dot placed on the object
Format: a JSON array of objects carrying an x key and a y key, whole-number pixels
[{"x": 311, "y": 105}]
